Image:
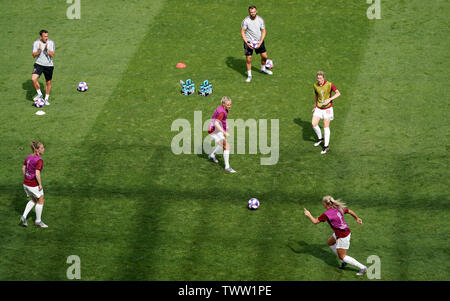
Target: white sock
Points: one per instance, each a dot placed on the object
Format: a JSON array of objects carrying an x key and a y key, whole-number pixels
[
  {"x": 263, "y": 67},
  {"x": 46, "y": 96},
  {"x": 326, "y": 132},
  {"x": 38, "y": 209},
  {"x": 333, "y": 248},
  {"x": 249, "y": 73},
  {"x": 28, "y": 208},
  {"x": 218, "y": 147},
  {"x": 318, "y": 132},
  {"x": 353, "y": 261},
  {"x": 226, "y": 158},
  {"x": 39, "y": 91}
]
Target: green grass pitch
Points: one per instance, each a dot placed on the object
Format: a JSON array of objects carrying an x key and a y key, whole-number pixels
[{"x": 116, "y": 195}]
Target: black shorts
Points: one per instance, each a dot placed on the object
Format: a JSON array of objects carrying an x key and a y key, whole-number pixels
[
  {"x": 249, "y": 51},
  {"x": 47, "y": 70}
]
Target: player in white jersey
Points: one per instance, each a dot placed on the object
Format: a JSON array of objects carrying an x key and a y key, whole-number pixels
[
  {"x": 43, "y": 51},
  {"x": 254, "y": 29}
]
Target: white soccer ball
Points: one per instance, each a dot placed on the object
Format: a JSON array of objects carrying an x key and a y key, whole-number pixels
[
  {"x": 82, "y": 87},
  {"x": 254, "y": 43},
  {"x": 253, "y": 204},
  {"x": 39, "y": 103},
  {"x": 269, "y": 64}
]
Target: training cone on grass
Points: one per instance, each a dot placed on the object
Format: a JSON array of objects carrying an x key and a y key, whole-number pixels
[{"x": 181, "y": 65}]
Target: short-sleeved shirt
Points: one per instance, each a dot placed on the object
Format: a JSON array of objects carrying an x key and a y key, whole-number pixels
[
  {"x": 339, "y": 233},
  {"x": 33, "y": 182},
  {"x": 253, "y": 28},
  {"x": 44, "y": 59},
  {"x": 323, "y": 93}
]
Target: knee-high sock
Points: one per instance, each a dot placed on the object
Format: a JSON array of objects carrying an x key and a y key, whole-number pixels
[
  {"x": 353, "y": 261},
  {"x": 38, "y": 209},
  {"x": 326, "y": 132},
  {"x": 218, "y": 147},
  {"x": 28, "y": 208},
  {"x": 318, "y": 132},
  {"x": 226, "y": 158},
  {"x": 333, "y": 248}
]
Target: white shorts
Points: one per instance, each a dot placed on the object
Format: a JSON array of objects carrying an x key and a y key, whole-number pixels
[
  {"x": 33, "y": 191},
  {"x": 324, "y": 113},
  {"x": 217, "y": 136},
  {"x": 342, "y": 243}
]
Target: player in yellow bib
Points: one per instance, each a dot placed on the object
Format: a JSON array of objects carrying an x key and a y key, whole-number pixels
[{"x": 323, "y": 109}]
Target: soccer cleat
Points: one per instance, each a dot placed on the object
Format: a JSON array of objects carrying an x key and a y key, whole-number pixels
[
  {"x": 267, "y": 71},
  {"x": 46, "y": 102},
  {"x": 343, "y": 264},
  {"x": 23, "y": 221},
  {"x": 213, "y": 158},
  {"x": 325, "y": 150},
  {"x": 361, "y": 272},
  {"x": 249, "y": 79},
  {"x": 37, "y": 97},
  {"x": 41, "y": 224},
  {"x": 229, "y": 169},
  {"x": 318, "y": 142}
]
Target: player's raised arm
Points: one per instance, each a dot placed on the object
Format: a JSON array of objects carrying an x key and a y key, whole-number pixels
[
  {"x": 36, "y": 51},
  {"x": 311, "y": 218},
  {"x": 51, "y": 49}
]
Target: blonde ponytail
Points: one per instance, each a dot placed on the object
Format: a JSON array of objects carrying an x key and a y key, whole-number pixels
[
  {"x": 328, "y": 199},
  {"x": 35, "y": 145}
]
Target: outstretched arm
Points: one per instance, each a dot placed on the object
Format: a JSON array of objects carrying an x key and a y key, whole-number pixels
[
  {"x": 352, "y": 213},
  {"x": 312, "y": 219}
]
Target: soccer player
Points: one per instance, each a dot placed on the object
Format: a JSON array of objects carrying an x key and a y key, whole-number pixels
[
  {"x": 218, "y": 130},
  {"x": 32, "y": 184},
  {"x": 339, "y": 242},
  {"x": 43, "y": 51},
  {"x": 254, "y": 29},
  {"x": 323, "y": 109}
]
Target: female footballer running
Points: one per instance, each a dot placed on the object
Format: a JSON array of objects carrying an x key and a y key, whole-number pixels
[
  {"x": 339, "y": 242},
  {"x": 32, "y": 184}
]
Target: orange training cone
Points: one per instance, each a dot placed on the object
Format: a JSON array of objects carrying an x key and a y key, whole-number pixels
[{"x": 181, "y": 65}]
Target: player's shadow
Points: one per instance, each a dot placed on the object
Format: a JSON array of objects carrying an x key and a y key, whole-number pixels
[
  {"x": 219, "y": 157},
  {"x": 239, "y": 65},
  {"x": 29, "y": 88},
  {"x": 316, "y": 250},
  {"x": 307, "y": 132},
  {"x": 19, "y": 201}
]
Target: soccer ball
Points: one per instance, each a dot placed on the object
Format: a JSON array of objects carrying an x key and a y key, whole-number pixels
[
  {"x": 253, "y": 204},
  {"x": 269, "y": 64},
  {"x": 82, "y": 87},
  {"x": 254, "y": 43},
  {"x": 39, "y": 103}
]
